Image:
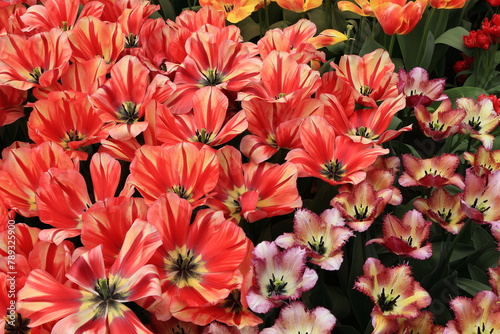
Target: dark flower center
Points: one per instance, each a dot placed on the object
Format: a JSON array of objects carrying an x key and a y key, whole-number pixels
[
  {"x": 17, "y": 325},
  {"x": 481, "y": 207},
  {"x": 333, "y": 170},
  {"x": 483, "y": 330},
  {"x": 36, "y": 74},
  {"x": 180, "y": 191},
  {"x": 212, "y": 78},
  {"x": 276, "y": 286},
  {"x": 203, "y": 136},
  {"x": 366, "y": 90},
  {"x": 131, "y": 41},
  {"x": 360, "y": 212},
  {"x": 232, "y": 302},
  {"x": 185, "y": 267},
  {"x": 436, "y": 126},
  {"x": 128, "y": 112},
  {"x": 445, "y": 215},
  {"x": 475, "y": 123},
  {"x": 386, "y": 302},
  {"x": 317, "y": 246}
]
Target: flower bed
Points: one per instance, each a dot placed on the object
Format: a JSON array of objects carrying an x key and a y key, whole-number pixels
[{"x": 250, "y": 166}]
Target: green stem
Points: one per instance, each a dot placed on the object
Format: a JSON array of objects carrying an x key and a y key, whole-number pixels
[
  {"x": 391, "y": 44},
  {"x": 469, "y": 143},
  {"x": 423, "y": 41},
  {"x": 266, "y": 15},
  {"x": 328, "y": 9},
  {"x": 261, "y": 28},
  {"x": 190, "y": 5},
  {"x": 439, "y": 29}
]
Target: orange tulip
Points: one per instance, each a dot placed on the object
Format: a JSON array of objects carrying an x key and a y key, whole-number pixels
[
  {"x": 362, "y": 7},
  {"x": 447, "y": 4},
  {"x": 234, "y": 10},
  {"x": 299, "y": 6},
  {"x": 398, "y": 17}
]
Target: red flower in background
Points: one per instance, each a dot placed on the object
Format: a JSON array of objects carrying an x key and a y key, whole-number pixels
[
  {"x": 492, "y": 28},
  {"x": 493, "y": 3},
  {"x": 493, "y": 98},
  {"x": 461, "y": 66},
  {"x": 477, "y": 39}
]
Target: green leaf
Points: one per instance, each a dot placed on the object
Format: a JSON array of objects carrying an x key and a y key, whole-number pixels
[
  {"x": 477, "y": 274},
  {"x": 361, "y": 305},
  {"x": 482, "y": 239},
  {"x": 369, "y": 45},
  {"x": 428, "y": 51},
  {"x": 457, "y": 92},
  {"x": 471, "y": 287},
  {"x": 486, "y": 258},
  {"x": 442, "y": 291},
  {"x": 461, "y": 251},
  {"x": 319, "y": 18},
  {"x": 167, "y": 9},
  {"x": 249, "y": 28},
  {"x": 494, "y": 90},
  {"x": 455, "y": 38},
  {"x": 340, "y": 303}
]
